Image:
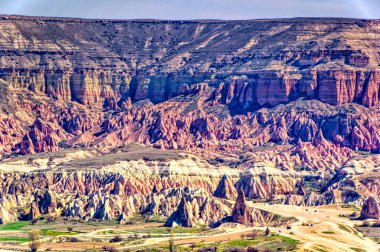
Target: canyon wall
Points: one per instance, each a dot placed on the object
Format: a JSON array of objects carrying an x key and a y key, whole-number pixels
[
  {"x": 254, "y": 63},
  {"x": 191, "y": 84}
]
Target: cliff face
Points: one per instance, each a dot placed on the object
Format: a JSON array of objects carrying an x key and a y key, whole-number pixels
[
  {"x": 103, "y": 63},
  {"x": 323, "y": 136},
  {"x": 191, "y": 85}
]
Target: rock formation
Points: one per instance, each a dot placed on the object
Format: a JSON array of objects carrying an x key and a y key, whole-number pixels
[
  {"x": 300, "y": 191},
  {"x": 198, "y": 208},
  {"x": 170, "y": 85},
  {"x": 122, "y": 219},
  {"x": 257, "y": 182},
  {"x": 103, "y": 212},
  {"x": 240, "y": 213},
  {"x": 74, "y": 210},
  {"x": 47, "y": 202},
  {"x": 106, "y": 66},
  {"x": 183, "y": 216},
  {"x": 370, "y": 209},
  {"x": 33, "y": 213},
  {"x": 246, "y": 215},
  {"x": 225, "y": 189},
  {"x": 230, "y": 92}
]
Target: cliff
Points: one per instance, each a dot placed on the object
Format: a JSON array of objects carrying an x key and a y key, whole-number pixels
[
  {"x": 212, "y": 85},
  {"x": 254, "y": 63}
]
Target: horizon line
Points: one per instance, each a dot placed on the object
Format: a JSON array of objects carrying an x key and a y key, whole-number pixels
[{"x": 19, "y": 16}]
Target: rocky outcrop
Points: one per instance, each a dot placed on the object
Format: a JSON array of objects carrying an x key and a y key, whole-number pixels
[
  {"x": 108, "y": 195},
  {"x": 74, "y": 210},
  {"x": 103, "y": 211},
  {"x": 122, "y": 219},
  {"x": 198, "y": 210},
  {"x": 47, "y": 202},
  {"x": 355, "y": 181},
  {"x": 33, "y": 213},
  {"x": 246, "y": 215},
  {"x": 225, "y": 189},
  {"x": 182, "y": 206},
  {"x": 347, "y": 186},
  {"x": 7, "y": 215},
  {"x": 189, "y": 93},
  {"x": 183, "y": 216},
  {"x": 300, "y": 191},
  {"x": 41, "y": 137},
  {"x": 370, "y": 209},
  {"x": 240, "y": 212},
  {"x": 258, "y": 182}
]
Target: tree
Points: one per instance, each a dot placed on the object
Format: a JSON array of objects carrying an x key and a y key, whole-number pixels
[
  {"x": 267, "y": 231},
  {"x": 109, "y": 248},
  {"x": 34, "y": 241},
  {"x": 171, "y": 243},
  {"x": 116, "y": 238}
]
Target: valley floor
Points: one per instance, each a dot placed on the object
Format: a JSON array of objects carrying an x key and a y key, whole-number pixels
[{"x": 316, "y": 229}]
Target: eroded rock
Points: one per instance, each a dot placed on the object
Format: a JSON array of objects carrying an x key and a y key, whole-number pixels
[{"x": 370, "y": 209}]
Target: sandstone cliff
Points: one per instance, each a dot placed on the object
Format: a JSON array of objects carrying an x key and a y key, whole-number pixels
[
  {"x": 190, "y": 85},
  {"x": 104, "y": 62}
]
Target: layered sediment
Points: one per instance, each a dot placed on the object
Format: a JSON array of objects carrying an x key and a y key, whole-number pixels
[
  {"x": 280, "y": 101},
  {"x": 253, "y": 63}
]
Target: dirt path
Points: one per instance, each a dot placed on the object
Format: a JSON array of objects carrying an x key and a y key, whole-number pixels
[{"x": 326, "y": 230}]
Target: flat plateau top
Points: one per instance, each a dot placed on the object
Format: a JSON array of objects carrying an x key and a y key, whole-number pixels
[{"x": 281, "y": 20}]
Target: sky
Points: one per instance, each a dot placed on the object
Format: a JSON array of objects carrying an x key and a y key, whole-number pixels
[{"x": 193, "y": 9}]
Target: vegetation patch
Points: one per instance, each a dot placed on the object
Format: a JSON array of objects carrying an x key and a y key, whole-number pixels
[
  {"x": 14, "y": 225},
  {"x": 14, "y": 239},
  {"x": 358, "y": 249},
  {"x": 320, "y": 248},
  {"x": 194, "y": 230},
  {"x": 344, "y": 228},
  {"x": 328, "y": 232},
  {"x": 174, "y": 230},
  {"x": 259, "y": 241},
  {"x": 52, "y": 232}
]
